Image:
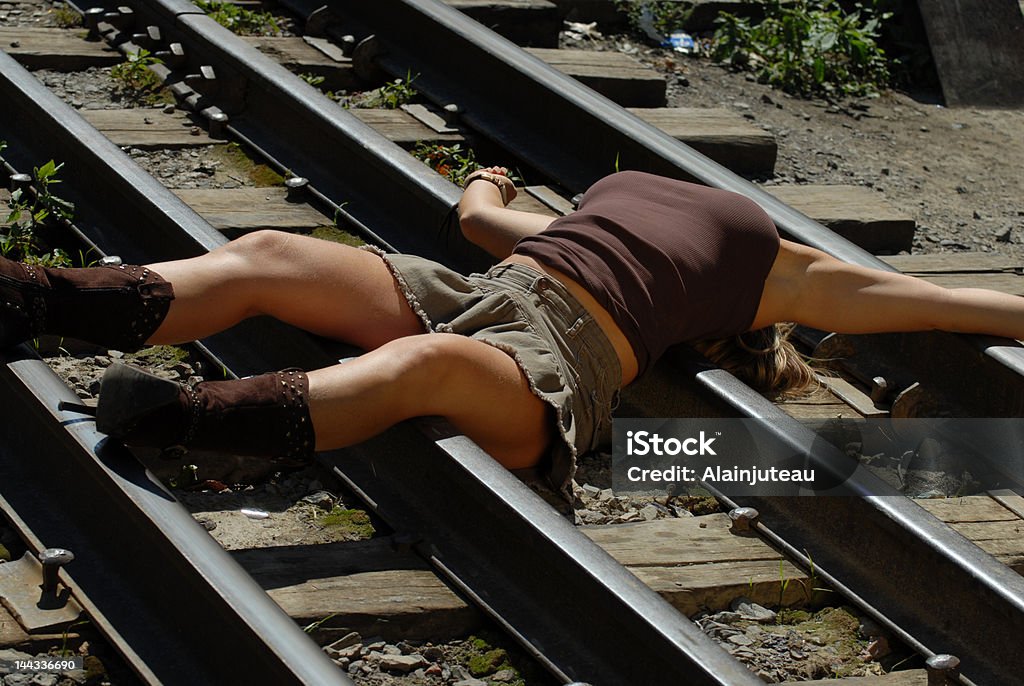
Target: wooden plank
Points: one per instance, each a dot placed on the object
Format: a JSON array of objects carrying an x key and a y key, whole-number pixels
[
  {"x": 909, "y": 677},
  {"x": 11, "y": 633},
  {"x": 971, "y": 508},
  {"x": 987, "y": 522},
  {"x": 657, "y": 543},
  {"x": 60, "y": 49},
  {"x": 964, "y": 270},
  {"x": 148, "y": 128},
  {"x": 526, "y": 22},
  {"x": 1004, "y": 283},
  {"x": 821, "y": 404},
  {"x": 724, "y": 136},
  {"x": 241, "y": 210},
  {"x": 854, "y": 212},
  {"x": 694, "y": 563},
  {"x": 525, "y": 202},
  {"x": 977, "y": 50},
  {"x": 300, "y": 57},
  {"x": 403, "y": 128},
  {"x": 617, "y": 76},
  {"x": 368, "y": 585},
  {"x": 955, "y": 263},
  {"x": 697, "y": 564}
]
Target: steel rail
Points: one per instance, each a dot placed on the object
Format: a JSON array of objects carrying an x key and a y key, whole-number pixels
[
  {"x": 188, "y": 612},
  {"x": 585, "y": 613},
  {"x": 895, "y": 521},
  {"x": 159, "y": 579},
  {"x": 576, "y": 136},
  {"x": 965, "y": 562}
]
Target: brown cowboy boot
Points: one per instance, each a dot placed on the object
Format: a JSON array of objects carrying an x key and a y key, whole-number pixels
[
  {"x": 262, "y": 416},
  {"x": 117, "y": 307}
]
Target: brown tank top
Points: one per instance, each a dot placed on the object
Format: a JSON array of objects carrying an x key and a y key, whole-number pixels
[{"x": 671, "y": 261}]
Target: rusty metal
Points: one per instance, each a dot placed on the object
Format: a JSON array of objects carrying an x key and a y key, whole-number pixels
[{"x": 743, "y": 521}]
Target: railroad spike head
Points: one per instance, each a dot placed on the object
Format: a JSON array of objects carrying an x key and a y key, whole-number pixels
[
  {"x": 92, "y": 17},
  {"x": 879, "y": 389},
  {"x": 943, "y": 670},
  {"x": 296, "y": 186},
  {"x": 216, "y": 121},
  {"x": 173, "y": 56},
  {"x": 52, "y": 560},
  {"x": 121, "y": 19},
  {"x": 743, "y": 520},
  {"x": 20, "y": 182}
]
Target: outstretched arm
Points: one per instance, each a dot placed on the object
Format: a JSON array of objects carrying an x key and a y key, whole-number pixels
[
  {"x": 817, "y": 290},
  {"x": 485, "y": 220}
]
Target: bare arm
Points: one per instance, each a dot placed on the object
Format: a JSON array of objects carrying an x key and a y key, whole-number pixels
[
  {"x": 486, "y": 222},
  {"x": 815, "y": 289}
]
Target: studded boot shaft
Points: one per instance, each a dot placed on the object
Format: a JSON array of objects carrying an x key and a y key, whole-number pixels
[
  {"x": 262, "y": 416},
  {"x": 117, "y": 307}
]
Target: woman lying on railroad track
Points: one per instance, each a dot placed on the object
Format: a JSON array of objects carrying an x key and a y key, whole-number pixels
[{"x": 526, "y": 360}]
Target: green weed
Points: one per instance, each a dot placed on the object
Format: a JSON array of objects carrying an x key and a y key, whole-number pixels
[
  {"x": 664, "y": 16},
  {"x": 450, "y": 161},
  {"x": 390, "y": 96},
  {"x": 238, "y": 20},
  {"x": 135, "y": 76},
  {"x": 19, "y": 237},
  {"x": 807, "y": 47}
]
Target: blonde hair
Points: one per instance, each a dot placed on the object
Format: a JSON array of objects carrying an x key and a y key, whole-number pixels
[{"x": 764, "y": 359}]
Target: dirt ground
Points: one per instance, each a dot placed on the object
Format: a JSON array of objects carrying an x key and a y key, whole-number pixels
[{"x": 959, "y": 172}]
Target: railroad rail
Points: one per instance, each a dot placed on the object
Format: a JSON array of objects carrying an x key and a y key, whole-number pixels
[{"x": 424, "y": 195}]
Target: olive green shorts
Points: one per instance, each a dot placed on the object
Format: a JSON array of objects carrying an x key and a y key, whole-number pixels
[{"x": 566, "y": 358}]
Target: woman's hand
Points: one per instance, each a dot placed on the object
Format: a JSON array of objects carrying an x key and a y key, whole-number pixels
[{"x": 499, "y": 177}]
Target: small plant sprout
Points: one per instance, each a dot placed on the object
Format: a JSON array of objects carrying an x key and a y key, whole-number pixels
[
  {"x": 783, "y": 582},
  {"x": 450, "y": 161},
  {"x": 390, "y": 96},
  {"x": 134, "y": 75},
  {"x": 314, "y": 80},
  {"x": 27, "y": 214},
  {"x": 244, "y": 22},
  {"x": 313, "y": 626}
]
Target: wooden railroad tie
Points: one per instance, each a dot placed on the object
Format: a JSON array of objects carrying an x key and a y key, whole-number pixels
[{"x": 694, "y": 563}]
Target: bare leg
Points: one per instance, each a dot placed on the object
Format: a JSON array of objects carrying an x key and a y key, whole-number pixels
[
  {"x": 477, "y": 387},
  {"x": 326, "y": 288}
]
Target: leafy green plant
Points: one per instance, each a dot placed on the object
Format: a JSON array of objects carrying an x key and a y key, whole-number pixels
[
  {"x": 312, "y": 79},
  {"x": 390, "y": 96},
  {"x": 664, "y": 16},
  {"x": 19, "y": 238},
  {"x": 807, "y": 47},
  {"x": 450, "y": 161},
  {"x": 239, "y": 20},
  {"x": 134, "y": 75}
]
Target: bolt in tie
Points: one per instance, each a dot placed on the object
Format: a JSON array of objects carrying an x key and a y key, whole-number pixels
[
  {"x": 92, "y": 18},
  {"x": 451, "y": 113},
  {"x": 20, "y": 182},
  {"x": 121, "y": 19},
  {"x": 216, "y": 121},
  {"x": 943, "y": 670},
  {"x": 879, "y": 389},
  {"x": 205, "y": 81},
  {"x": 173, "y": 56},
  {"x": 53, "y": 559},
  {"x": 296, "y": 186},
  {"x": 150, "y": 39},
  {"x": 743, "y": 521}
]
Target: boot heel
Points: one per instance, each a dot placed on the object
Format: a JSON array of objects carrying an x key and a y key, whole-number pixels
[{"x": 129, "y": 395}]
